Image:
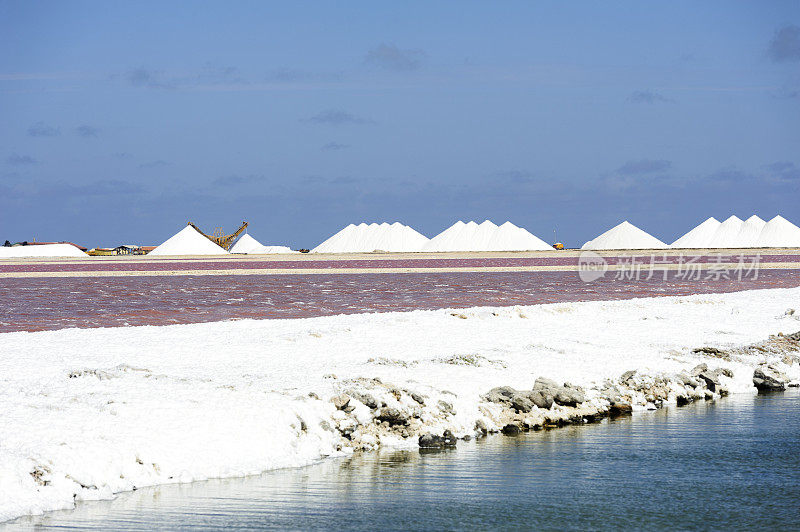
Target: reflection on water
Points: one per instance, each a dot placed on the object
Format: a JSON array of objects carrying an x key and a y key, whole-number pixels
[
  {"x": 733, "y": 464},
  {"x": 33, "y": 304}
]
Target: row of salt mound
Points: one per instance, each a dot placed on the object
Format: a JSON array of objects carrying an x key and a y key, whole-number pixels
[
  {"x": 368, "y": 238},
  {"x": 249, "y": 245},
  {"x": 727, "y": 234},
  {"x": 625, "y": 236},
  {"x": 486, "y": 236},
  {"x": 779, "y": 233},
  {"x": 698, "y": 237},
  {"x": 40, "y": 250},
  {"x": 735, "y": 233}
]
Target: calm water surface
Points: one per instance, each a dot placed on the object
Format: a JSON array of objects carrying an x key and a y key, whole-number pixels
[{"x": 732, "y": 464}]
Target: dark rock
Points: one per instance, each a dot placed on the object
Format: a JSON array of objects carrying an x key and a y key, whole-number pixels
[
  {"x": 393, "y": 416},
  {"x": 543, "y": 383},
  {"x": 507, "y": 391},
  {"x": 698, "y": 369},
  {"x": 725, "y": 371},
  {"x": 627, "y": 375},
  {"x": 530, "y": 424},
  {"x": 446, "y": 407},
  {"x": 620, "y": 409},
  {"x": 794, "y": 336},
  {"x": 711, "y": 379},
  {"x": 369, "y": 401},
  {"x": 768, "y": 379},
  {"x": 553, "y": 422},
  {"x": 432, "y": 441},
  {"x": 340, "y": 401},
  {"x": 449, "y": 437},
  {"x": 541, "y": 398},
  {"x": 418, "y": 398},
  {"x": 480, "y": 426},
  {"x": 563, "y": 395},
  {"x": 682, "y": 400},
  {"x": 511, "y": 430},
  {"x": 521, "y": 403},
  {"x": 502, "y": 394},
  {"x": 686, "y": 380},
  {"x": 569, "y": 397},
  {"x": 711, "y": 351},
  {"x": 365, "y": 398}
]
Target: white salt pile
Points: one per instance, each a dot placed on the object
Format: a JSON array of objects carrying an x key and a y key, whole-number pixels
[
  {"x": 625, "y": 236},
  {"x": 700, "y": 236},
  {"x": 40, "y": 250},
  {"x": 750, "y": 231},
  {"x": 455, "y": 233},
  {"x": 249, "y": 245},
  {"x": 366, "y": 238},
  {"x": 727, "y": 234},
  {"x": 509, "y": 237},
  {"x": 779, "y": 233},
  {"x": 188, "y": 241},
  {"x": 485, "y": 237},
  {"x": 735, "y": 233}
]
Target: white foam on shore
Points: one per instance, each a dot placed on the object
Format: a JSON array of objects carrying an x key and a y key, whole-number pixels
[{"x": 90, "y": 412}]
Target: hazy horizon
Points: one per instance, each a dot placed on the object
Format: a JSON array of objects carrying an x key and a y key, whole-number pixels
[{"x": 122, "y": 122}]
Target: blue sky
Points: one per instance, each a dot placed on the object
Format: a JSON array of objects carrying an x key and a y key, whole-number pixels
[{"x": 120, "y": 122}]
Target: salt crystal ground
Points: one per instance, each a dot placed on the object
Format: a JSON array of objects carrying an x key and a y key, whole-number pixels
[{"x": 90, "y": 412}]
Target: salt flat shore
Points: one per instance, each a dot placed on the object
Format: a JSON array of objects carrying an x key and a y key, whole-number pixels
[{"x": 87, "y": 413}]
